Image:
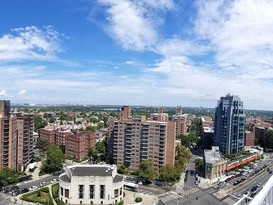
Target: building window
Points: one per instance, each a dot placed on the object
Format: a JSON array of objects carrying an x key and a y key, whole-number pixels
[
  {"x": 116, "y": 193},
  {"x": 62, "y": 191},
  {"x": 91, "y": 202},
  {"x": 66, "y": 193},
  {"x": 120, "y": 192},
  {"x": 92, "y": 191},
  {"x": 81, "y": 190},
  {"x": 101, "y": 202},
  {"x": 102, "y": 191}
]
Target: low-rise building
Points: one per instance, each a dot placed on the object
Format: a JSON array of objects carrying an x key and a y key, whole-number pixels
[
  {"x": 215, "y": 165},
  {"x": 91, "y": 184}
]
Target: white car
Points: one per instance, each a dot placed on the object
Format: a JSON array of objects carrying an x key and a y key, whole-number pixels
[
  {"x": 42, "y": 184},
  {"x": 32, "y": 188},
  {"x": 53, "y": 181}
]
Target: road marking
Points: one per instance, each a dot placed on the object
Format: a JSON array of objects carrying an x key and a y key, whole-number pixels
[{"x": 234, "y": 196}]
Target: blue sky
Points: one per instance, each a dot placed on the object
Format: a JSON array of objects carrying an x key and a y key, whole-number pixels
[{"x": 137, "y": 52}]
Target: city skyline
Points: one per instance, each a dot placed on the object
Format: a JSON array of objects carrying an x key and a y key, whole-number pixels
[{"x": 118, "y": 52}]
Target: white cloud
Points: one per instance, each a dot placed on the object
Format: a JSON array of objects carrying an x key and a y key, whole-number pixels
[
  {"x": 3, "y": 93},
  {"x": 240, "y": 31},
  {"x": 30, "y": 43},
  {"x": 134, "y": 23},
  {"x": 21, "y": 92},
  {"x": 179, "y": 47}
]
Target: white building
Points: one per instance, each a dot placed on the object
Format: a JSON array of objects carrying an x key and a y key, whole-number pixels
[{"x": 91, "y": 184}]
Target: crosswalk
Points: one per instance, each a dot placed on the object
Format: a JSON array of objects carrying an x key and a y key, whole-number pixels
[{"x": 187, "y": 192}]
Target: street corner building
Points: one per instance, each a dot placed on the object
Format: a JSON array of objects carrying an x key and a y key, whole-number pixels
[{"x": 91, "y": 184}]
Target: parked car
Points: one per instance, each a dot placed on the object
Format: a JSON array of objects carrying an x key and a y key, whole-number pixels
[{"x": 25, "y": 190}]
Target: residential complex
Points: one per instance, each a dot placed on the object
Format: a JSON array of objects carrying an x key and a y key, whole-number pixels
[
  {"x": 91, "y": 184},
  {"x": 77, "y": 143},
  {"x": 180, "y": 121},
  {"x": 135, "y": 138},
  {"x": 25, "y": 140},
  {"x": 8, "y": 136},
  {"x": 16, "y": 138},
  {"x": 229, "y": 124}
]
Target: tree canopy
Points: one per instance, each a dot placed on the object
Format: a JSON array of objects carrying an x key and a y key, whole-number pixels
[
  {"x": 183, "y": 157},
  {"x": 169, "y": 174},
  {"x": 99, "y": 152},
  {"x": 269, "y": 139},
  {"x": 39, "y": 123},
  {"x": 42, "y": 144},
  {"x": 146, "y": 170},
  {"x": 189, "y": 139},
  {"x": 54, "y": 160},
  {"x": 8, "y": 176}
]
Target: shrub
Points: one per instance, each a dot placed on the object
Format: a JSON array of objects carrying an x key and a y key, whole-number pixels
[
  {"x": 55, "y": 189},
  {"x": 39, "y": 193},
  {"x": 45, "y": 189},
  {"x": 138, "y": 199},
  {"x": 59, "y": 202},
  {"x": 119, "y": 203}
]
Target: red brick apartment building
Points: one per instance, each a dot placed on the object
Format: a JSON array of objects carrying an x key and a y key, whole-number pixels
[
  {"x": 25, "y": 151},
  {"x": 180, "y": 121},
  {"x": 77, "y": 144},
  {"x": 133, "y": 139},
  {"x": 16, "y": 138},
  {"x": 8, "y": 137}
]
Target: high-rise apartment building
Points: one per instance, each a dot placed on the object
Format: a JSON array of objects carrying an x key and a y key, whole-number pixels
[
  {"x": 16, "y": 138},
  {"x": 180, "y": 121},
  {"x": 229, "y": 124},
  {"x": 134, "y": 139},
  {"x": 8, "y": 136},
  {"x": 25, "y": 151}
]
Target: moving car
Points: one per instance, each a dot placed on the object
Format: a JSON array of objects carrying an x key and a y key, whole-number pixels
[
  {"x": 53, "y": 181},
  {"x": 32, "y": 188},
  {"x": 42, "y": 184}
]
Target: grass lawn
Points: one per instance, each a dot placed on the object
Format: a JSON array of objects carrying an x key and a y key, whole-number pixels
[
  {"x": 42, "y": 196},
  {"x": 55, "y": 189}
]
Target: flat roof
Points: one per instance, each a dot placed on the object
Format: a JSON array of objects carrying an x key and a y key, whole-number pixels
[
  {"x": 213, "y": 156},
  {"x": 91, "y": 170}
]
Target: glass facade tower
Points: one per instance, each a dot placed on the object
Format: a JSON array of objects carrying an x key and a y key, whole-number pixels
[{"x": 229, "y": 124}]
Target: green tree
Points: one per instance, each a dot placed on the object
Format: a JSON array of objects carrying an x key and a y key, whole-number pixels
[
  {"x": 39, "y": 123},
  {"x": 169, "y": 174},
  {"x": 42, "y": 144},
  {"x": 146, "y": 170},
  {"x": 54, "y": 160},
  {"x": 189, "y": 139},
  {"x": 122, "y": 169},
  {"x": 183, "y": 157},
  {"x": 199, "y": 164},
  {"x": 8, "y": 176},
  {"x": 269, "y": 139}
]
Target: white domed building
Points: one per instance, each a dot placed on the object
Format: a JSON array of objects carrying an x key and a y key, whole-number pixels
[{"x": 91, "y": 184}]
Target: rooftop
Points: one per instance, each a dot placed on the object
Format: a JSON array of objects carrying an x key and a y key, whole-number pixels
[
  {"x": 213, "y": 156},
  {"x": 91, "y": 170}
]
